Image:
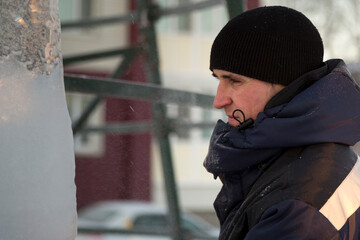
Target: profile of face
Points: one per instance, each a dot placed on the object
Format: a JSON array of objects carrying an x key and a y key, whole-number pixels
[{"x": 240, "y": 92}]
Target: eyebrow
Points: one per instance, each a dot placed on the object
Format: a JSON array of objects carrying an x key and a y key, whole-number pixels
[{"x": 223, "y": 75}]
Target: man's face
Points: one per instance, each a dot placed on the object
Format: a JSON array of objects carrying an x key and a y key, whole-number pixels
[{"x": 239, "y": 92}]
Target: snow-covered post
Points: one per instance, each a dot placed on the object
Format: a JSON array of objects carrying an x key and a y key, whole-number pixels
[{"x": 37, "y": 189}]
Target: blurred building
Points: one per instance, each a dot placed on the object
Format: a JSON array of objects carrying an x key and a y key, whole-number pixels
[{"x": 107, "y": 166}]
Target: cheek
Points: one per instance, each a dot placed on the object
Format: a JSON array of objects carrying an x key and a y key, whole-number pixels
[
  {"x": 261, "y": 99},
  {"x": 247, "y": 102},
  {"x": 252, "y": 101},
  {"x": 256, "y": 105}
]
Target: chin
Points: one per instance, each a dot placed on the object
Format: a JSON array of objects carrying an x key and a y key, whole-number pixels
[{"x": 233, "y": 122}]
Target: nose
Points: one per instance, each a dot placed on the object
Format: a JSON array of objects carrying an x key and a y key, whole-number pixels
[{"x": 222, "y": 97}]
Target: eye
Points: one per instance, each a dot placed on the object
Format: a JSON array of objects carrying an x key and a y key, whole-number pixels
[{"x": 235, "y": 81}]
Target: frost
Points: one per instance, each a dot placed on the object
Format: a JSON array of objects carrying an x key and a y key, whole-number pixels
[
  {"x": 265, "y": 191},
  {"x": 30, "y": 31}
]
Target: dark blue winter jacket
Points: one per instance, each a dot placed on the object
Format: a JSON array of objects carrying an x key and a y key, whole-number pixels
[{"x": 293, "y": 175}]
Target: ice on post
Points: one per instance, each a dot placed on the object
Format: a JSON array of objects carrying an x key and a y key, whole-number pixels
[{"x": 36, "y": 148}]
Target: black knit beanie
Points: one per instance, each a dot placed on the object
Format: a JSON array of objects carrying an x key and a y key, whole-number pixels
[{"x": 273, "y": 44}]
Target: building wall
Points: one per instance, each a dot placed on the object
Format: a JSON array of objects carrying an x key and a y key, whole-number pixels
[
  {"x": 184, "y": 61},
  {"x": 95, "y": 39},
  {"x": 107, "y": 166}
]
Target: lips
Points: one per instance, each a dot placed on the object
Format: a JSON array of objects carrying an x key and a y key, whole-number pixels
[{"x": 232, "y": 121}]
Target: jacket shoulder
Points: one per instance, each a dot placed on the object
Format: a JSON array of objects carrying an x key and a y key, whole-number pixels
[
  {"x": 293, "y": 219},
  {"x": 318, "y": 171},
  {"x": 310, "y": 174}
]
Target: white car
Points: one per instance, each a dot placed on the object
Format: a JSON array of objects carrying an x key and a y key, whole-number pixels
[{"x": 137, "y": 216}]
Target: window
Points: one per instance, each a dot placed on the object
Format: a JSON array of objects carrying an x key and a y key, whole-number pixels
[
  {"x": 208, "y": 20},
  {"x": 88, "y": 144},
  {"x": 71, "y": 10},
  {"x": 184, "y": 20},
  {"x": 181, "y": 114}
]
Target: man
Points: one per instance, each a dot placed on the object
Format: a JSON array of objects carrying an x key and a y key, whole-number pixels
[{"x": 285, "y": 156}]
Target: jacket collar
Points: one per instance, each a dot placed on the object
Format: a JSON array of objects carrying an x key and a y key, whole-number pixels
[{"x": 297, "y": 86}]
